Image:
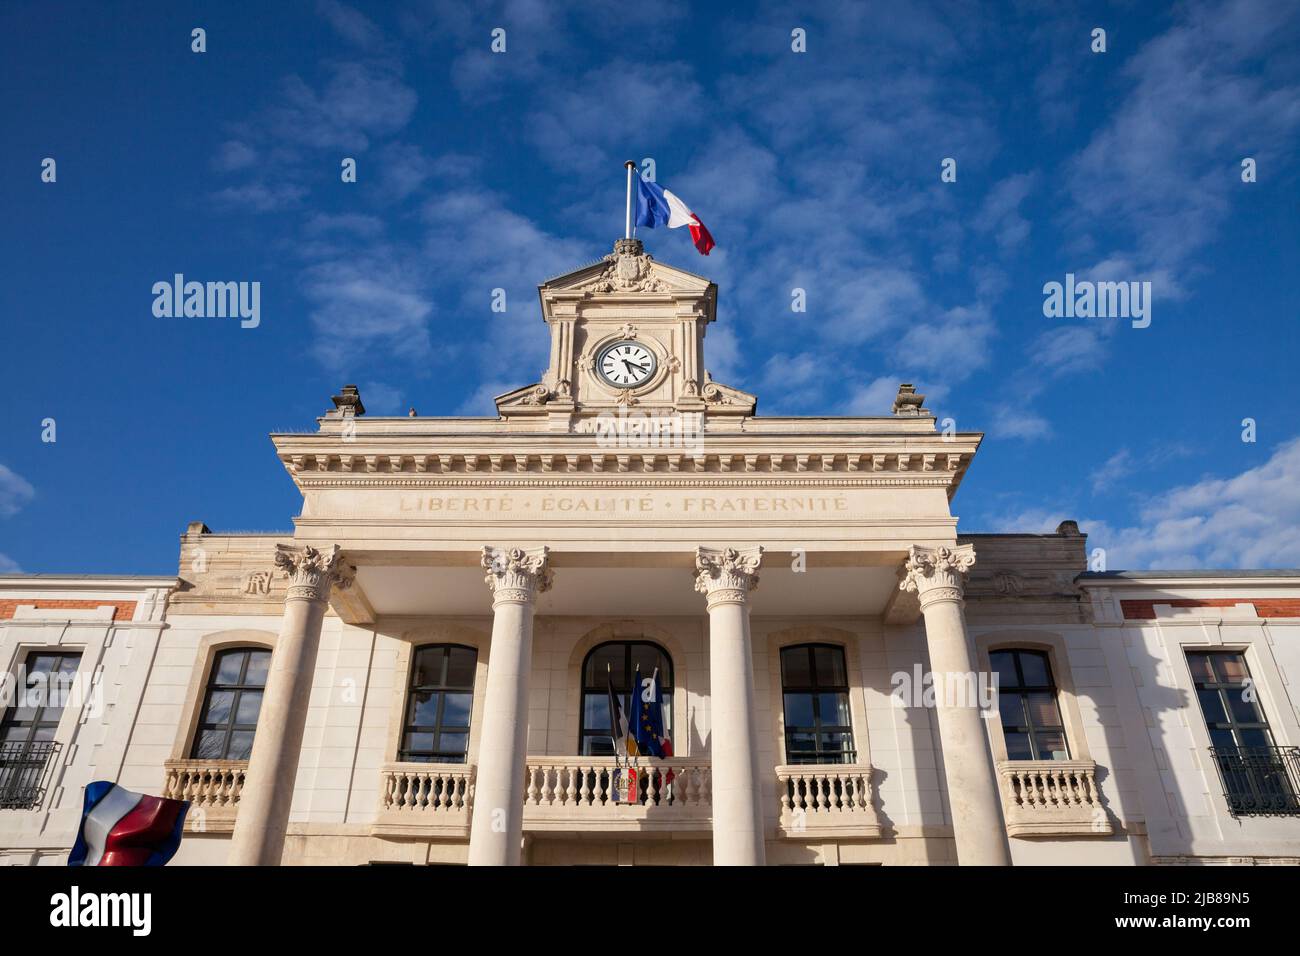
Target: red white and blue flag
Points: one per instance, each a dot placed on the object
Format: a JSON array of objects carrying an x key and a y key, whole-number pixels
[
  {"x": 656, "y": 206},
  {"x": 122, "y": 828}
]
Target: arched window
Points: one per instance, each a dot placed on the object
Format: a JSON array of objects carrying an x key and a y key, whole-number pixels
[
  {"x": 1031, "y": 718},
  {"x": 815, "y": 698},
  {"x": 438, "y": 704},
  {"x": 619, "y": 660},
  {"x": 231, "y": 704}
]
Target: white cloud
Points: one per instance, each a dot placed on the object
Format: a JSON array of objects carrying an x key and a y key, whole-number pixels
[
  {"x": 8, "y": 565},
  {"x": 1019, "y": 423},
  {"x": 15, "y": 492}
]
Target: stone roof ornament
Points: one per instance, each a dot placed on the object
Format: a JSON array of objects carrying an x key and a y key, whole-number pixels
[
  {"x": 348, "y": 403},
  {"x": 628, "y": 270},
  {"x": 908, "y": 402}
]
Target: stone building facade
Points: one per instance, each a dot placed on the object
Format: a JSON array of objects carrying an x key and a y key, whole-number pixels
[{"x": 419, "y": 672}]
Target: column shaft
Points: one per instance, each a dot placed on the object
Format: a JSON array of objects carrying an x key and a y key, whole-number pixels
[
  {"x": 726, "y": 577},
  {"x": 267, "y": 795},
  {"x": 516, "y": 577}
]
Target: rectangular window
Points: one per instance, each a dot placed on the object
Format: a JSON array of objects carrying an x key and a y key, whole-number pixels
[
  {"x": 1031, "y": 717},
  {"x": 28, "y": 727},
  {"x": 815, "y": 700},
  {"x": 1259, "y": 777}
]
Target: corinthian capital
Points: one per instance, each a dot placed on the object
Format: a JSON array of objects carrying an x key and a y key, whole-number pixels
[
  {"x": 727, "y": 575},
  {"x": 937, "y": 574},
  {"x": 517, "y": 574},
  {"x": 311, "y": 573}
]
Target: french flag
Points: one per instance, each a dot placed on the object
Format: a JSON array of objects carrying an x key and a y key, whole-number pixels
[
  {"x": 121, "y": 828},
  {"x": 656, "y": 206}
]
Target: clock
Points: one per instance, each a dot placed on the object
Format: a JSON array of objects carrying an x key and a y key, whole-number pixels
[{"x": 626, "y": 364}]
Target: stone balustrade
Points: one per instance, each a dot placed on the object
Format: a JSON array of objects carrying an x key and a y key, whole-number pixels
[
  {"x": 1052, "y": 798},
  {"x": 578, "y": 794},
  {"x": 827, "y": 800},
  {"x": 425, "y": 797},
  {"x": 212, "y": 787}
]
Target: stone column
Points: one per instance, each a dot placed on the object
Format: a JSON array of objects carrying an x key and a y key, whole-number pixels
[
  {"x": 936, "y": 576},
  {"x": 267, "y": 796},
  {"x": 516, "y": 577},
  {"x": 726, "y": 577}
]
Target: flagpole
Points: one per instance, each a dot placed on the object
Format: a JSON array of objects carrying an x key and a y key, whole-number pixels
[{"x": 627, "y": 227}]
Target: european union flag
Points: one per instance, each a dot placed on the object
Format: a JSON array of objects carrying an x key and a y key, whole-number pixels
[{"x": 650, "y": 718}]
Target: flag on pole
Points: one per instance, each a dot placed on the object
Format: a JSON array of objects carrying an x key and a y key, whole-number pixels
[
  {"x": 656, "y": 206},
  {"x": 122, "y": 828},
  {"x": 618, "y": 729},
  {"x": 650, "y": 737}
]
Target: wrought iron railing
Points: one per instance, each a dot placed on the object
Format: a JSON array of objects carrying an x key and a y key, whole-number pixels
[
  {"x": 1260, "y": 781},
  {"x": 23, "y": 767}
]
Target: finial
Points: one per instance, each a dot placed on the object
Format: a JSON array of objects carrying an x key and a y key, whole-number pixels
[
  {"x": 908, "y": 402},
  {"x": 348, "y": 403}
]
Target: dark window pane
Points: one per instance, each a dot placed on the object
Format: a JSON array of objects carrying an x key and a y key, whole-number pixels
[
  {"x": 605, "y": 662},
  {"x": 1254, "y": 737},
  {"x": 833, "y": 709},
  {"x": 228, "y": 667},
  {"x": 455, "y": 709},
  {"x": 241, "y": 745},
  {"x": 1003, "y": 664},
  {"x": 799, "y": 710},
  {"x": 461, "y": 663},
  {"x": 1051, "y": 746},
  {"x": 595, "y": 711},
  {"x": 1042, "y": 710},
  {"x": 1244, "y": 710},
  {"x": 1200, "y": 667},
  {"x": 1034, "y": 668},
  {"x": 1018, "y": 747},
  {"x": 424, "y": 708},
  {"x": 795, "y": 668},
  {"x": 219, "y": 704},
  {"x": 453, "y": 743},
  {"x": 802, "y": 741},
  {"x": 211, "y": 745},
  {"x": 68, "y": 664},
  {"x": 1012, "y": 709},
  {"x": 429, "y": 664},
  {"x": 1232, "y": 668},
  {"x": 250, "y": 705},
  {"x": 41, "y": 663},
  {"x": 419, "y": 741},
  {"x": 1222, "y": 738},
  {"x": 829, "y": 664},
  {"x": 1212, "y": 706},
  {"x": 599, "y": 747},
  {"x": 259, "y": 664}
]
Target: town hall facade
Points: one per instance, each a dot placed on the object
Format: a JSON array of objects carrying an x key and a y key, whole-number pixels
[{"x": 420, "y": 671}]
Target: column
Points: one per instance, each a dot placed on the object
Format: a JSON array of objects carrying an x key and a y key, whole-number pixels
[
  {"x": 726, "y": 577},
  {"x": 516, "y": 576},
  {"x": 267, "y": 796},
  {"x": 936, "y": 576}
]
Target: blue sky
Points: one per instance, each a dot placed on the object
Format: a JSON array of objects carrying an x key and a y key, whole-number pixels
[{"x": 816, "y": 170}]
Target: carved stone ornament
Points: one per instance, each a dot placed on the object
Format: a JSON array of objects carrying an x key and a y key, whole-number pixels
[
  {"x": 908, "y": 402},
  {"x": 311, "y": 573},
  {"x": 628, "y": 270},
  {"x": 1008, "y": 582},
  {"x": 937, "y": 574},
  {"x": 517, "y": 574},
  {"x": 727, "y": 575},
  {"x": 537, "y": 395},
  {"x": 258, "y": 582}
]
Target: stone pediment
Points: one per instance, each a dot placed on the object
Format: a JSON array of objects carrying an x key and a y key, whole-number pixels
[{"x": 627, "y": 270}]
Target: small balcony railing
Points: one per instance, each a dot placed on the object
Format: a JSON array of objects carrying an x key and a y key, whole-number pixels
[
  {"x": 211, "y": 786},
  {"x": 1052, "y": 798},
  {"x": 1259, "y": 781},
  {"x": 827, "y": 800},
  {"x": 23, "y": 773},
  {"x": 578, "y": 794}
]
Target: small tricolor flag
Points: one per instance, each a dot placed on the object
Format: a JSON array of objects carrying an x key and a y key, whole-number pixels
[
  {"x": 122, "y": 828},
  {"x": 656, "y": 206}
]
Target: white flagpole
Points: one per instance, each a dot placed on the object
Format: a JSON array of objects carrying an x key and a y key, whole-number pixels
[{"x": 627, "y": 228}]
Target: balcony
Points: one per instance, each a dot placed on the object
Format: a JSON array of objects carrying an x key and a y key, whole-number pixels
[
  {"x": 24, "y": 767},
  {"x": 1259, "y": 781},
  {"x": 425, "y": 799},
  {"x": 827, "y": 800},
  {"x": 211, "y": 786},
  {"x": 1052, "y": 798},
  {"x": 576, "y": 795}
]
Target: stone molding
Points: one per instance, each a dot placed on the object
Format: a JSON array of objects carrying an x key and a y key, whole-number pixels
[
  {"x": 311, "y": 572},
  {"x": 937, "y": 574},
  {"x": 516, "y": 575},
  {"x": 727, "y": 575}
]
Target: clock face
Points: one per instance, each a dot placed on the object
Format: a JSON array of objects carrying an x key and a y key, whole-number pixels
[{"x": 626, "y": 364}]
